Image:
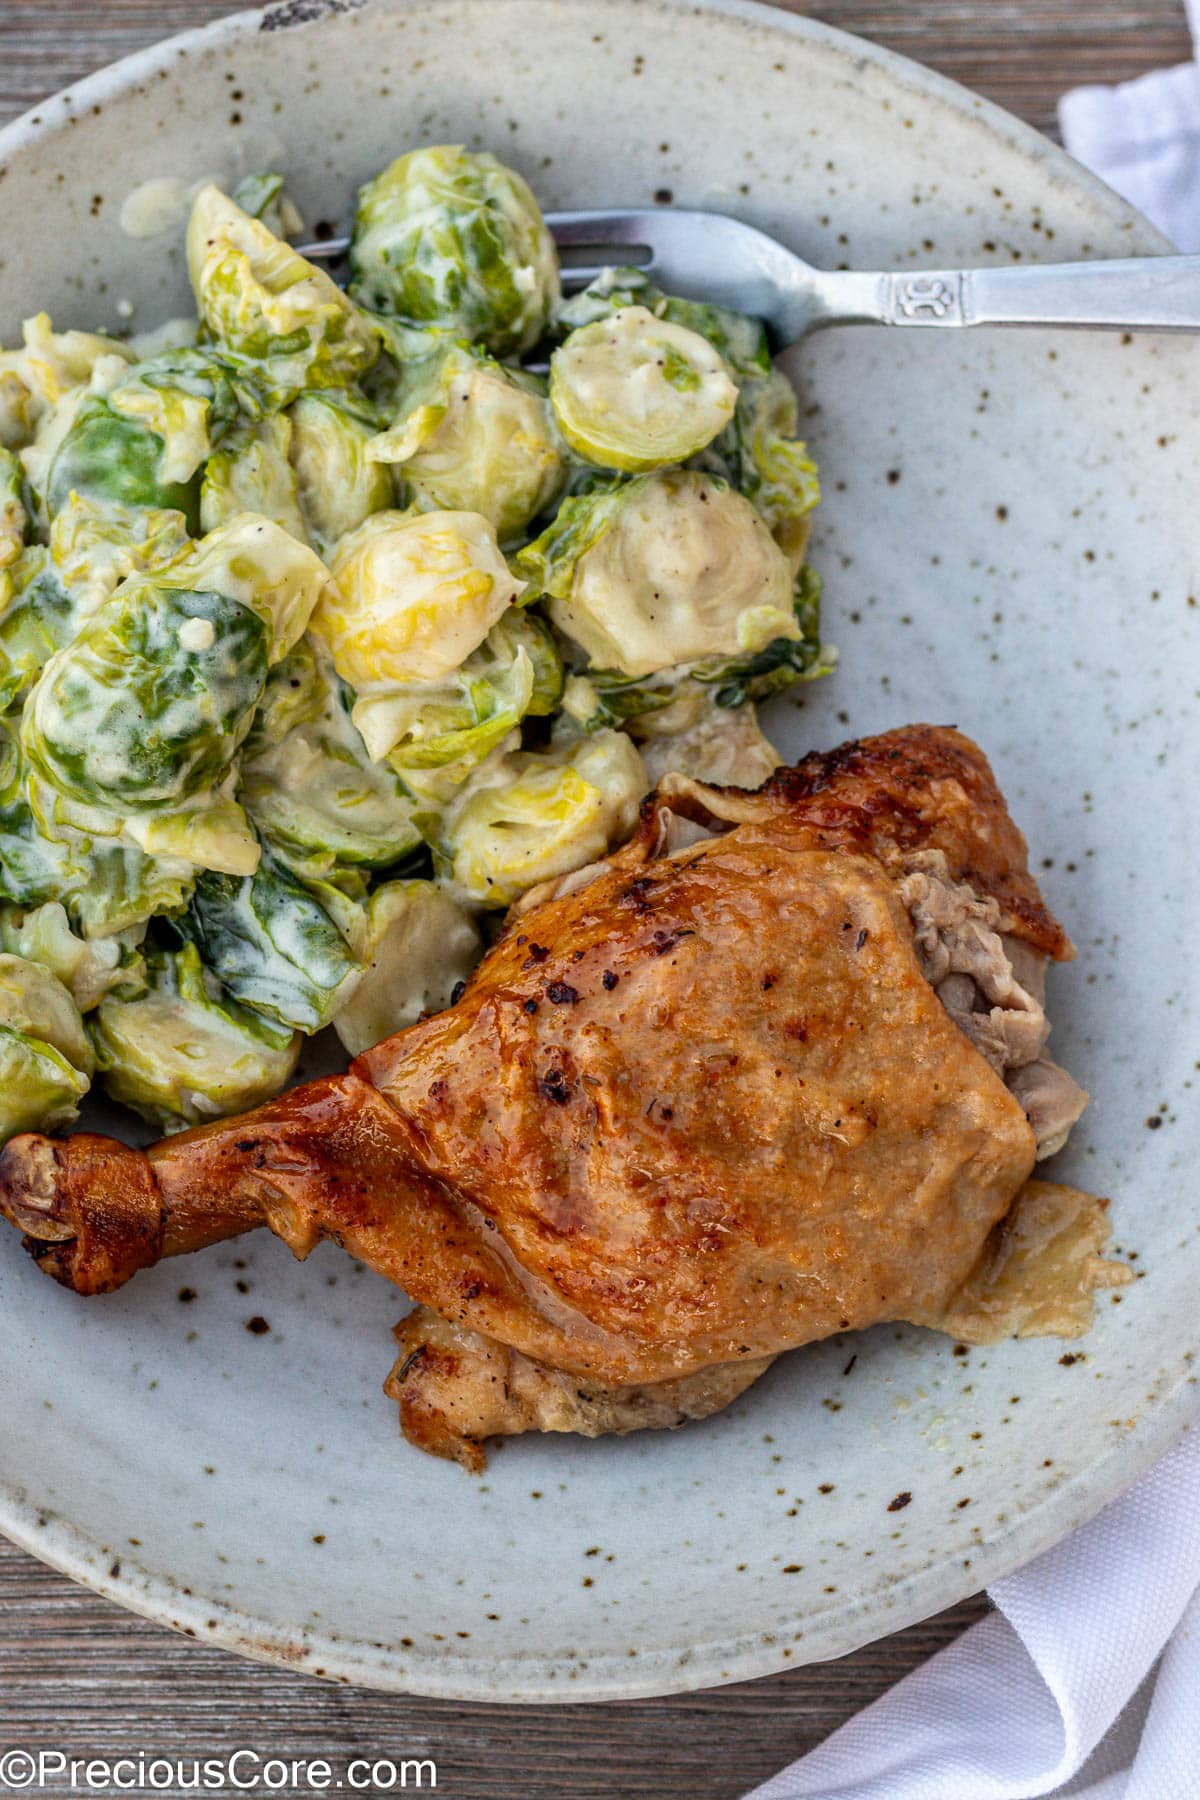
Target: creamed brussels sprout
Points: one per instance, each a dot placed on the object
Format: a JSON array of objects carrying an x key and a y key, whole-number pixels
[
  {"x": 413, "y": 595},
  {"x": 184, "y": 1052},
  {"x": 112, "y": 458},
  {"x": 327, "y": 628},
  {"x": 447, "y": 237},
  {"x": 418, "y": 945},
  {"x": 758, "y": 451},
  {"x": 527, "y": 818},
  {"x": 662, "y": 570},
  {"x": 635, "y": 392},
  {"x": 46, "y": 1061},
  {"x": 251, "y": 472},
  {"x": 317, "y": 798},
  {"x": 261, "y": 300},
  {"x": 272, "y": 945},
  {"x": 337, "y": 483},
  {"x": 453, "y": 724},
  {"x": 90, "y": 971},
  {"x": 475, "y": 436}
]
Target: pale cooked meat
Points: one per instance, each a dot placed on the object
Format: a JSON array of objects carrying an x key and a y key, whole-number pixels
[
  {"x": 993, "y": 985},
  {"x": 698, "y": 1107},
  {"x": 1053, "y": 1101},
  {"x": 456, "y": 1388}
]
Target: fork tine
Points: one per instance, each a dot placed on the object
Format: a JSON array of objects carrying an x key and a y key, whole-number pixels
[{"x": 623, "y": 225}]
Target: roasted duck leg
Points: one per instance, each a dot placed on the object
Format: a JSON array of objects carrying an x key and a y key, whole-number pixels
[{"x": 772, "y": 1071}]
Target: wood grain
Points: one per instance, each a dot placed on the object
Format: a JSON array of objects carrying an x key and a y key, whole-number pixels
[{"x": 78, "y": 1674}]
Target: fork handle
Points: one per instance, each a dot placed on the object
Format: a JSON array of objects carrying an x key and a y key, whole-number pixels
[{"x": 1148, "y": 293}]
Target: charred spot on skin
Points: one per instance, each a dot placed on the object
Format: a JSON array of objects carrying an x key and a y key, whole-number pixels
[
  {"x": 537, "y": 954},
  {"x": 662, "y": 941},
  {"x": 457, "y": 992},
  {"x": 610, "y": 980},
  {"x": 186, "y": 1295},
  {"x": 861, "y": 939},
  {"x": 768, "y": 982},
  {"x": 257, "y": 1326},
  {"x": 530, "y": 1007},
  {"x": 900, "y": 1502},
  {"x": 553, "y": 1087},
  {"x": 635, "y": 894},
  {"x": 561, "y": 993}
]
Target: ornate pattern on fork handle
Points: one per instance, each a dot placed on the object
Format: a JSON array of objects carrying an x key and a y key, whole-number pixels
[{"x": 930, "y": 299}]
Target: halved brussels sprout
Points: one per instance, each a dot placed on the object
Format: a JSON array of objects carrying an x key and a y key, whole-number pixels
[
  {"x": 675, "y": 699},
  {"x": 475, "y": 436},
  {"x": 184, "y": 1052},
  {"x": 251, "y": 473},
  {"x": 148, "y": 705},
  {"x": 530, "y": 817},
  {"x": 413, "y": 595},
  {"x": 111, "y": 457},
  {"x": 317, "y": 798},
  {"x": 418, "y": 946},
  {"x": 739, "y": 339},
  {"x": 338, "y": 485},
  {"x": 662, "y": 570},
  {"x": 262, "y": 300},
  {"x": 45, "y": 1058},
  {"x": 35, "y": 1001},
  {"x": 515, "y": 672},
  {"x": 39, "y": 1088},
  {"x": 635, "y": 392},
  {"x": 446, "y": 237},
  {"x": 272, "y": 945},
  {"x": 89, "y": 971},
  {"x": 13, "y": 518},
  {"x": 94, "y": 547}
]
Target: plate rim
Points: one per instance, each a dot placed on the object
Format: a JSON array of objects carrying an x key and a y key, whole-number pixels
[{"x": 517, "y": 1679}]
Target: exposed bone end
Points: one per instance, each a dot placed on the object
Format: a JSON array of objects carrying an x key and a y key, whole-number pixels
[
  {"x": 89, "y": 1208},
  {"x": 31, "y": 1197}
]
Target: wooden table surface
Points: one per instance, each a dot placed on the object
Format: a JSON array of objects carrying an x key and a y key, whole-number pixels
[{"x": 79, "y": 1675}]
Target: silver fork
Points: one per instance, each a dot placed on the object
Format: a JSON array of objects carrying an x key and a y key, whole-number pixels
[{"x": 709, "y": 256}]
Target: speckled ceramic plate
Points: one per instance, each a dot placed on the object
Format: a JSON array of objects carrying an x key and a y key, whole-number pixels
[{"x": 1009, "y": 542}]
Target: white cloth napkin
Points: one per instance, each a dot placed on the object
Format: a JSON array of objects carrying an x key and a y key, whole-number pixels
[
  {"x": 1085, "y": 1682},
  {"x": 1143, "y": 138},
  {"x": 1057, "y": 1692}
]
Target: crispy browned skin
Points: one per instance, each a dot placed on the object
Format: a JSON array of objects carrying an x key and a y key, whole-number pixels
[
  {"x": 456, "y": 1389},
  {"x": 697, "y": 1111}
]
